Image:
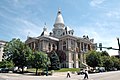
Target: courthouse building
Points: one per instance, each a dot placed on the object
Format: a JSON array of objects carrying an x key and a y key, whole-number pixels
[
  {"x": 2, "y": 43},
  {"x": 62, "y": 38}
]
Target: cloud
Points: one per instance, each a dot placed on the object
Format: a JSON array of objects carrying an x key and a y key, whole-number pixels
[
  {"x": 102, "y": 33},
  {"x": 96, "y": 2},
  {"x": 30, "y": 26},
  {"x": 16, "y": 1},
  {"x": 113, "y": 14},
  {"x": 6, "y": 11}
]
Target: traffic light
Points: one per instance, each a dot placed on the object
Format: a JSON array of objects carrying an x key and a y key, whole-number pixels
[{"x": 100, "y": 46}]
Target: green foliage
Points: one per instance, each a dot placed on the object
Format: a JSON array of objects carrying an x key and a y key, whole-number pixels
[
  {"x": 104, "y": 53},
  {"x": 39, "y": 60},
  {"x": 107, "y": 62},
  {"x": 2, "y": 64},
  {"x": 7, "y": 64},
  {"x": 55, "y": 62},
  {"x": 93, "y": 59},
  {"x": 17, "y": 52},
  {"x": 116, "y": 62},
  {"x": 102, "y": 59}
]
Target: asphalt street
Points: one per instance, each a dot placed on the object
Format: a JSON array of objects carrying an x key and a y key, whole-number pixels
[{"x": 113, "y": 75}]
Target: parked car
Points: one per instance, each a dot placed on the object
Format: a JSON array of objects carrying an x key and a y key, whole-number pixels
[
  {"x": 18, "y": 69},
  {"x": 44, "y": 73},
  {"x": 4, "y": 70},
  {"x": 100, "y": 69},
  {"x": 81, "y": 72}
]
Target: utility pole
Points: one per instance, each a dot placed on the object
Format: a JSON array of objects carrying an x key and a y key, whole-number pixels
[
  {"x": 100, "y": 46},
  {"x": 118, "y": 46}
]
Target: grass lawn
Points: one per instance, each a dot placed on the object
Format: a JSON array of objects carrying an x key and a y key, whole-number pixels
[
  {"x": 68, "y": 69},
  {"x": 33, "y": 70},
  {"x": 61, "y": 70}
]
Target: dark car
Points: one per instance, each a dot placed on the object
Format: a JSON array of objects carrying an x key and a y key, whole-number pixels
[
  {"x": 46, "y": 73},
  {"x": 4, "y": 70},
  {"x": 81, "y": 72}
]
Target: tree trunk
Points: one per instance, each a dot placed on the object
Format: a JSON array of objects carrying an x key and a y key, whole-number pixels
[
  {"x": 22, "y": 69},
  {"x": 36, "y": 71}
]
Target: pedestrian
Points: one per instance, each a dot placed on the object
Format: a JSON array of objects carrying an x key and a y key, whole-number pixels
[
  {"x": 68, "y": 74},
  {"x": 86, "y": 74}
]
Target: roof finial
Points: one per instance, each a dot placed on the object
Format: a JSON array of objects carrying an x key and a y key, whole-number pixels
[
  {"x": 28, "y": 35},
  {"x": 45, "y": 27},
  {"x": 45, "y": 23},
  {"x": 59, "y": 10}
]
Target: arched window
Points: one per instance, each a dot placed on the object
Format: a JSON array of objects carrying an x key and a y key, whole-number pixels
[
  {"x": 53, "y": 47},
  {"x": 49, "y": 47},
  {"x": 88, "y": 46},
  {"x": 63, "y": 33}
]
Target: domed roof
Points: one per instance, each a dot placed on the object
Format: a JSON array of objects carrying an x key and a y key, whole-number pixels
[{"x": 59, "y": 18}]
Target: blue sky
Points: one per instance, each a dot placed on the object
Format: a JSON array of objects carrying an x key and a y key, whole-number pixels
[{"x": 100, "y": 19}]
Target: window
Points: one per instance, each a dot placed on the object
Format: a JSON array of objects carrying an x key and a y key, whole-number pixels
[
  {"x": 54, "y": 32},
  {"x": 69, "y": 32},
  {"x": 64, "y": 45},
  {"x": 63, "y": 33},
  {"x": 58, "y": 32},
  {"x": 72, "y": 44},
  {"x": 49, "y": 47},
  {"x": 53, "y": 47},
  {"x": 88, "y": 46},
  {"x": 82, "y": 46}
]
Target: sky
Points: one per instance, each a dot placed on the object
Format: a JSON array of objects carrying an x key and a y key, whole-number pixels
[{"x": 99, "y": 19}]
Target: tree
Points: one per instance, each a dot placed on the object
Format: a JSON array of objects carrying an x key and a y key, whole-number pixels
[
  {"x": 17, "y": 52},
  {"x": 61, "y": 55},
  {"x": 7, "y": 64},
  {"x": 40, "y": 60},
  {"x": 93, "y": 59},
  {"x": 104, "y": 53},
  {"x": 107, "y": 62},
  {"x": 116, "y": 62},
  {"x": 55, "y": 62}
]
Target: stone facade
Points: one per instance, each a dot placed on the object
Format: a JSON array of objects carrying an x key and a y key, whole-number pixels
[
  {"x": 2, "y": 43},
  {"x": 62, "y": 38}
]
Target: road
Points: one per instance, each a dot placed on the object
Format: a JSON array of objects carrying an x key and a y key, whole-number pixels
[{"x": 113, "y": 75}]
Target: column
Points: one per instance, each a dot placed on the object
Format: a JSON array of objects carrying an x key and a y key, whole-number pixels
[
  {"x": 69, "y": 55},
  {"x": 76, "y": 56}
]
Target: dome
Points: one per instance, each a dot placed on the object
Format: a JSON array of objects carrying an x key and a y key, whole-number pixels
[{"x": 59, "y": 18}]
